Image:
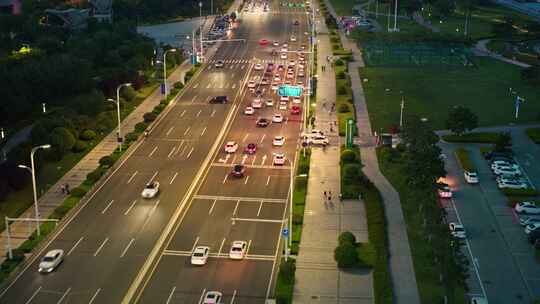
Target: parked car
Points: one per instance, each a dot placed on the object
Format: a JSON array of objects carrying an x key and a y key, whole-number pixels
[
  {"x": 457, "y": 230},
  {"x": 249, "y": 111},
  {"x": 279, "y": 159},
  {"x": 527, "y": 208},
  {"x": 532, "y": 227},
  {"x": 219, "y": 64},
  {"x": 231, "y": 147},
  {"x": 199, "y": 256},
  {"x": 238, "y": 250},
  {"x": 251, "y": 148},
  {"x": 238, "y": 170},
  {"x": 212, "y": 297},
  {"x": 526, "y": 220},
  {"x": 506, "y": 171},
  {"x": 262, "y": 122},
  {"x": 512, "y": 185},
  {"x": 471, "y": 177}
]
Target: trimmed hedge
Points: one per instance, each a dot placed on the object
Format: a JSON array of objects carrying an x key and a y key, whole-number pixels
[
  {"x": 464, "y": 159},
  {"x": 519, "y": 192},
  {"x": 285, "y": 281},
  {"x": 476, "y": 137},
  {"x": 149, "y": 117}
]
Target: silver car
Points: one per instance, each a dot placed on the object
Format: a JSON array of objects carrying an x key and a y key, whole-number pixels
[{"x": 51, "y": 260}]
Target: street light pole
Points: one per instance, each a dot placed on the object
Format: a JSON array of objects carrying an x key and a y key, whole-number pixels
[
  {"x": 200, "y": 29},
  {"x": 33, "y": 172},
  {"x": 119, "y": 133},
  {"x": 165, "y": 70},
  {"x": 401, "y": 112},
  {"x": 395, "y": 16}
]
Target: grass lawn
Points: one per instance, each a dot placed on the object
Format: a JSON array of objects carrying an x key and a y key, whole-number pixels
[
  {"x": 299, "y": 198},
  {"x": 476, "y": 137},
  {"x": 344, "y": 7},
  {"x": 534, "y": 134},
  {"x": 430, "y": 91}
]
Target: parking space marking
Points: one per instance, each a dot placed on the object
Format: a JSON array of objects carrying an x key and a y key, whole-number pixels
[
  {"x": 248, "y": 246},
  {"x": 171, "y": 295},
  {"x": 245, "y": 137},
  {"x": 213, "y": 113},
  {"x": 107, "y": 207},
  {"x": 262, "y": 139},
  {"x": 236, "y": 207},
  {"x": 64, "y": 295},
  {"x": 75, "y": 246},
  {"x": 94, "y": 296},
  {"x": 183, "y": 113},
  {"x": 190, "y": 151},
  {"x": 130, "y": 207},
  {"x": 260, "y": 207},
  {"x": 127, "y": 247},
  {"x": 152, "y": 153},
  {"x": 254, "y": 158},
  {"x": 101, "y": 246},
  {"x": 169, "y": 132},
  {"x": 193, "y": 99},
  {"x": 171, "y": 153},
  {"x": 212, "y": 208},
  {"x": 268, "y": 180},
  {"x": 233, "y": 160},
  {"x": 33, "y": 295},
  {"x": 246, "y": 181},
  {"x": 187, "y": 130},
  {"x": 195, "y": 244},
  {"x": 199, "y": 113},
  {"x": 234, "y": 295},
  {"x": 153, "y": 176},
  {"x": 204, "y": 130},
  {"x": 202, "y": 295},
  {"x": 221, "y": 246},
  {"x": 225, "y": 179},
  {"x": 132, "y": 176},
  {"x": 173, "y": 178}
]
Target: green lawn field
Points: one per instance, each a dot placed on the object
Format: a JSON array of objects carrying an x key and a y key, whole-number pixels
[{"x": 431, "y": 91}]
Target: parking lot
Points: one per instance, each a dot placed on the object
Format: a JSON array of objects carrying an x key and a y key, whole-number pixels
[{"x": 503, "y": 263}]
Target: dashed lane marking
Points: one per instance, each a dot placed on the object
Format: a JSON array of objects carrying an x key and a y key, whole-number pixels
[
  {"x": 33, "y": 295},
  {"x": 101, "y": 246},
  {"x": 107, "y": 207},
  {"x": 132, "y": 176},
  {"x": 243, "y": 199},
  {"x": 75, "y": 246},
  {"x": 173, "y": 178},
  {"x": 94, "y": 296}
]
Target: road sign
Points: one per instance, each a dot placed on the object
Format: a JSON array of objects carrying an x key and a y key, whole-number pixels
[
  {"x": 349, "y": 133},
  {"x": 285, "y": 232},
  {"x": 289, "y": 90}
]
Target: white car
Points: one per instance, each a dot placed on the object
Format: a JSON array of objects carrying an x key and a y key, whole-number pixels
[
  {"x": 296, "y": 100},
  {"x": 257, "y": 103},
  {"x": 282, "y": 105},
  {"x": 293, "y": 38},
  {"x": 319, "y": 140},
  {"x": 285, "y": 44},
  {"x": 212, "y": 297},
  {"x": 199, "y": 256},
  {"x": 150, "y": 190},
  {"x": 219, "y": 64},
  {"x": 238, "y": 250},
  {"x": 532, "y": 227},
  {"x": 284, "y": 98},
  {"x": 527, "y": 208},
  {"x": 51, "y": 260},
  {"x": 278, "y": 141},
  {"x": 284, "y": 49},
  {"x": 311, "y": 133},
  {"x": 251, "y": 84},
  {"x": 524, "y": 221},
  {"x": 275, "y": 43},
  {"x": 471, "y": 177},
  {"x": 279, "y": 159},
  {"x": 269, "y": 103},
  {"x": 457, "y": 230},
  {"x": 301, "y": 73},
  {"x": 283, "y": 56},
  {"x": 258, "y": 67},
  {"x": 277, "y": 78},
  {"x": 249, "y": 111},
  {"x": 512, "y": 185},
  {"x": 507, "y": 166},
  {"x": 277, "y": 118},
  {"x": 231, "y": 147},
  {"x": 292, "y": 63},
  {"x": 506, "y": 171}
]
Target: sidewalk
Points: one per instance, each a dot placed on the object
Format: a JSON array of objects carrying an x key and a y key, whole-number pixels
[
  {"x": 51, "y": 199},
  {"x": 318, "y": 280},
  {"x": 401, "y": 264},
  {"x": 481, "y": 49}
]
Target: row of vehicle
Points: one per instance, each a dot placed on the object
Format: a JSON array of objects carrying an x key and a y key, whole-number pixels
[{"x": 508, "y": 174}]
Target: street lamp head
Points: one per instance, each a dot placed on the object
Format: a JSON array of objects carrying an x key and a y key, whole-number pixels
[
  {"x": 111, "y": 100},
  {"x": 23, "y": 167},
  {"x": 127, "y": 84},
  {"x": 172, "y": 50},
  {"x": 200, "y": 4},
  {"x": 47, "y": 146}
]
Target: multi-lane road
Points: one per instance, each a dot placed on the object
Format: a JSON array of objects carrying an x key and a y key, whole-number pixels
[{"x": 122, "y": 248}]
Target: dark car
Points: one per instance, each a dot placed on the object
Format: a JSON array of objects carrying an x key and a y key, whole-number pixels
[
  {"x": 250, "y": 148},
  {"x": 262, "y": 122},
  {"x": 534, "y": 236},
  {"x": 219, "y": 99},
  {"x": 270, "y": 67},
  {"x": 238, "y": 170}
]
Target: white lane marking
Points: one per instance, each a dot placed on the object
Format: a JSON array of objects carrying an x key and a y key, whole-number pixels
[
  {"x": 233, "y": 295},
  {"x": 236, "y": 207},
  {"x": 180, "y": 146},
  {"x": 221, "y": 246},
  {"x": 187, "y": 131},
  {"x": 195, "y": 85},
  {"x": 260, "y": 207},
  {"x": 171, "y": 153},
  {"x": 170, "y": 295},
  {"x": 268, "y": 180},
  {"x": 244, "y": 159},
  {"x": 64, "y": 295},
  {"x": 204, "y": 130},
  {"x": 253, "y": 161},
  {"x": 172, "y": 179},
  {"x": 262, "y": 138},
  {"x": 75, "y": 246},
  {"x": 101, "y": 246},
  {"x": 153, "y": 176},
  {"x": 152, "y": 153},
  {"x": 255, "y": 220},
  {"x": 190, "y": 151},
  {"x": 195, "y": 244},
  {"x": 130, "y": 207},
  {"x": 107, "y": 207},
  {"x": 209, "y": 85},
  {"x": 149, "y": 216},
  {"x": 33, "y": 295},
  {"x": 169, "y": 132},
  {"x": 225, "y": 179},
  {"x": 263, "y": 160},
  {"x": 213, "y": 113},
  {"x": 193, "y": 99},
  {"x": 127, "y": 247},
  {"x": 248, "y": 246},
  {"x": 199, "y": 113},
  {"x": 233, "y": 86},
  {"x": 212, "y": 208},
  {"x": 245, "y": 137},
  {"x": 132, "y": 176},
  {"x": 202, "y": 295},
  {"x": 94, "y": 296},
  {"x": 183, "y": 113},
  {"x": 246, "y": 181}
]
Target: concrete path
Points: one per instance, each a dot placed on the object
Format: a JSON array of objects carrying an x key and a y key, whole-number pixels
[
  {"x": 401, "y": 264},
  {"x": 51, "y": 199},
  {"x": 318, "y": 280},
  {"x": 480, "y": 49}
]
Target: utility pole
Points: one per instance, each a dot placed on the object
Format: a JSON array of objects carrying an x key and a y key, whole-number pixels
[
  {"x": 395, "y": 16},
  {"x": 517, "y": 102},
  {"x": 401, "y": 112}
]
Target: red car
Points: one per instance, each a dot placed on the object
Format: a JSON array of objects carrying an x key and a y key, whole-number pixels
[
  {"x": 280, "y": 67},
  {"x": 250, "y": 148},
  {"x": 238, "y": 171},
  {"x": 263, "y": 42},
  {"x": 295, "y": 110},
  {"x": 270, "y": 67}
]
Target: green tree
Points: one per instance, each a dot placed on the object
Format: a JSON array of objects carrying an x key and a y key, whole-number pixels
[
  {"x": 347, "y": 237},
  {"x": 531, "y": 75},
  {"x": 461, "y": 120},
  {"x": 411, "y": 6},
  {"x": 346, "y": 256},
  {"x": 443, "y": 8},
  {"x": 503, "y": 141},
  {"x": 62, "y": 140}
]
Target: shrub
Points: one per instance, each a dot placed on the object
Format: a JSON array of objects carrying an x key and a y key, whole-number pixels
[
  {"x": 128, "y": 94},
  {"x": 88, "y": 135},
  {"x": 343, "y": 108},
  {"x": 178, "y": 85},
  {"x": 149, "y": 117},
  {"x": 298, "y": 219},
  {"x": 140, "y": 127},
  {"x": 339, "y": 62},
  {"x": 95, "y": 175},
  {"x": 347, "y": 238},
  {"x": 79, "y": 146},
  {"x": 131, "y": 137},
  {"x": 18, "y": 255},
  {"x": 347, "y": 58},
  {"x": 346, "y": 256},
  {"x": 342, "y": 90},
  {"x": 519, "y": 192},
  {"x": 287, "y": 270},
  {"x": 159, "y": 108},
  {"x": 334, "y": 39},
  {"x": 351, "y": 172},
  {"x": 340, "y": 75},
  {"x": 335, "y": 47},
  {"x": 348, "y": 156},
  {"x": 78, "y": 192},
  {"x": 106, "y": 161}
]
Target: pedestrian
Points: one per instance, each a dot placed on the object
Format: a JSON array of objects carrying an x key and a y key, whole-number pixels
[
  {"x": 330, "y": 194},
  {"x": 325, "y": 194},
  {"x": 63, "y": 189},
  {"x": 340, "y": 197},
  {"x": 67, "y": 188}
]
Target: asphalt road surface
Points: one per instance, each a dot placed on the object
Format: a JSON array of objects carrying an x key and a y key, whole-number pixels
[{"x": 110, "y": 241}]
